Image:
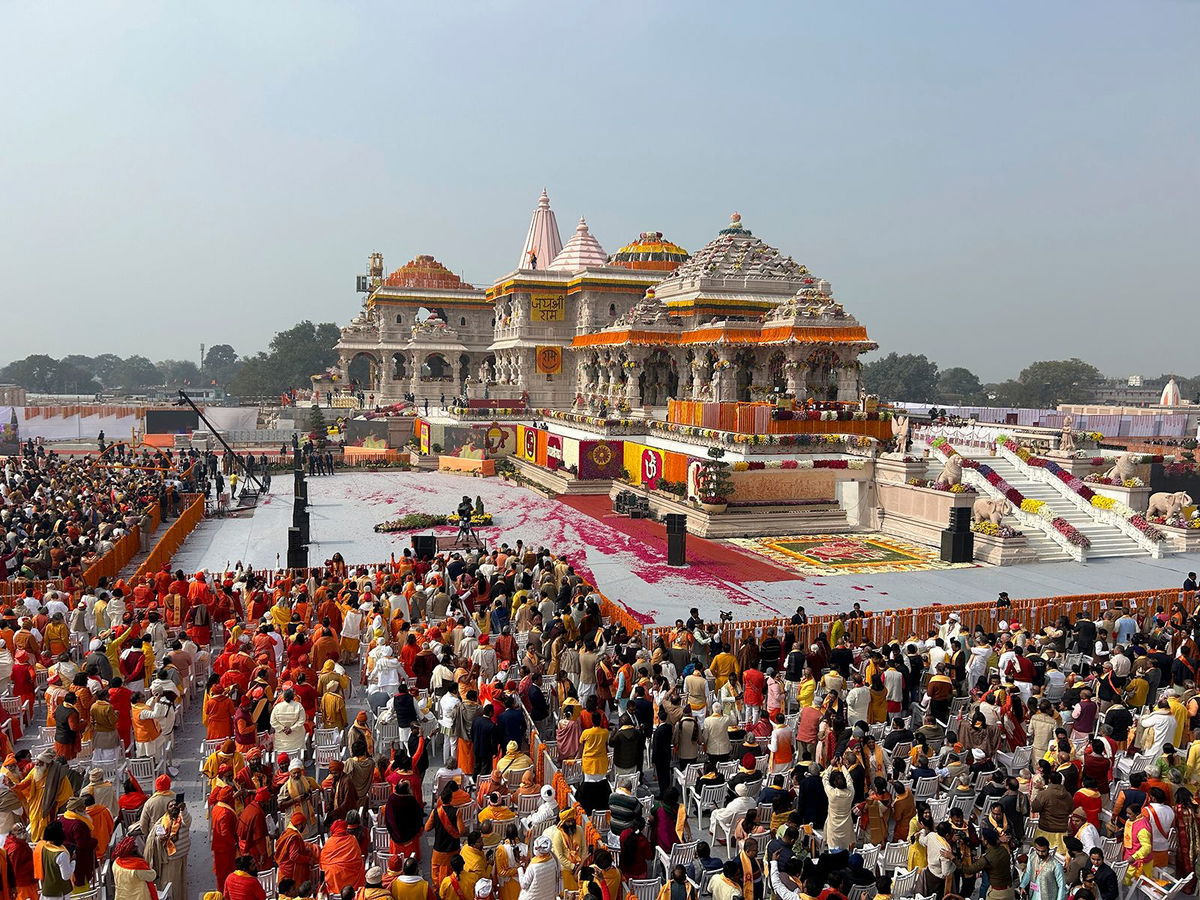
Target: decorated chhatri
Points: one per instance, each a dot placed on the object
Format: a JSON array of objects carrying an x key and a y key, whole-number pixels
[{"x": 650, "y": 251}]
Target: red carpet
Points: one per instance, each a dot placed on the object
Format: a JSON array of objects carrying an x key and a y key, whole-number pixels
[{"x": 722, "y": 561}]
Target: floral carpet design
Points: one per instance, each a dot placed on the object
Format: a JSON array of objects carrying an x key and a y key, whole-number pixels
[{"x": 846, "y": 554}]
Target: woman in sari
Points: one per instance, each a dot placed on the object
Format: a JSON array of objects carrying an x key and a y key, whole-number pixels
[
  {"x": 668, "y": 822},
  {"x": 403, "y": 817},
  {"x": 877, "y": 707},
  {"x": 1187, "y": 829},
  {"x": 1137, "y": 845},
  {"x": 570, "y": 728},
  {"x": 1012, "y": 720}
]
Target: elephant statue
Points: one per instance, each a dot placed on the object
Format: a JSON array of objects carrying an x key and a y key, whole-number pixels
[
  {"x": 951, "y": 472},
  {"x": 1167, "y": 505},
  {"x": 1123, "y": 470},
  {"x": 987, "y": 510}
]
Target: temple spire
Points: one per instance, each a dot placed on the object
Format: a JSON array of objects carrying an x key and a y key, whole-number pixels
[{"x": 543, "y": 242}]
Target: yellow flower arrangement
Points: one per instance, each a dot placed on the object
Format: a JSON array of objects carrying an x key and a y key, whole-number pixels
[
  {"x": 741, "y": 466},
  {"x": 1031, "y": 506},
  {"x": 1103, "y": 502}
]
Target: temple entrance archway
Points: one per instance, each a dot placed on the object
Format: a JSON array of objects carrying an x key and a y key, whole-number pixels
[
  {"x": 743, "y": 366},
  {"x": 435, "y": 367},
  {"x": 363, "y": 371}
]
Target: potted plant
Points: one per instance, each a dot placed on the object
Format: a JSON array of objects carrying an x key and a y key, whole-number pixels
[{"x": 715, "y": 483}]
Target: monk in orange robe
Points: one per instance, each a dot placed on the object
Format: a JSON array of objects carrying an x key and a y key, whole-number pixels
[
  {"x": 224, "y": 825},
  {"x": 342, "y": 860},
  {"x": 218, "y": 714},
  {"x": 252, "y": 830}
]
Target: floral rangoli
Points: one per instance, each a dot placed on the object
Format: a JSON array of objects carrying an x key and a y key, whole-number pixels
[{"x": 846, "y": 554}]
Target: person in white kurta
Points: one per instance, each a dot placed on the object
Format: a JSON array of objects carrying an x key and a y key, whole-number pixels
[
  {"x": 287, "y": 718},
  {"x": 839, "y": 829},
  {"x": 541, "y": 879}
]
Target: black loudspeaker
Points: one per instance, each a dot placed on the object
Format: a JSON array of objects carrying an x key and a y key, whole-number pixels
[
  {"x": 676, "y": 523},
  {"x": 676, "y": 548},
  {"x": 297, "y": 552},
  {"x": 300, "y": 519},
  {"x": 960, "y": 519},
  {"x": 424, "y": 545},
  {"x": 958, "y": 546}
]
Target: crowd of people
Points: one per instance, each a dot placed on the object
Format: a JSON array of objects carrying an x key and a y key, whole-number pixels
[
  {"x": 394, "y": 731},
  {"x": 59, "y": 514}
]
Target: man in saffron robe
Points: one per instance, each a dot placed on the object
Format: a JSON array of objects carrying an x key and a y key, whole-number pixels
[
  {"x": 224, "y": 835},
  {"x": 121, "y": 699},
  {"x": 46, "y": 789},
  {"x": 103, "y": 824},
  {"x": 20, "y": 857},
  {"x": 447, "y": 831},
  {"x": 218, "y": 714},
  {"x": 342, "y": 859},
  {"x": 240, "y": 884},
  {"x": 293, "y": 855},
  {"x": 252, "y": 830}
]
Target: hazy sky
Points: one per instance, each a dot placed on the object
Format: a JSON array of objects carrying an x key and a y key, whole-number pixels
[{"x": 986, "y": 183}]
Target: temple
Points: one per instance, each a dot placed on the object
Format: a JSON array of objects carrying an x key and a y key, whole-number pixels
[{"x": 575, "y": 328}]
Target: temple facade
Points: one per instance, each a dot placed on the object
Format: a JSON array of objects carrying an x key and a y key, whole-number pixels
[{"x": 575, "y": 327}]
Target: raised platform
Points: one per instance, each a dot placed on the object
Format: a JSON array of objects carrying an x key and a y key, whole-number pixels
[
  {"x": 746, "y": 521},
  {"x": 559, "y": 484},
  {"x": 466, "y": 465}
]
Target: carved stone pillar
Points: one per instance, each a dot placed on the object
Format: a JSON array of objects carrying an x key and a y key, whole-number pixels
[{"x": 847, "y": 382}]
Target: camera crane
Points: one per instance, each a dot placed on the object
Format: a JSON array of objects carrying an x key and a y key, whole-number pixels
[{"x": 253, "y": 485}]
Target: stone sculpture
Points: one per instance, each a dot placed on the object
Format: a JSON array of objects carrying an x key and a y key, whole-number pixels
[
  {"x": 1167, "y": 505},
  {"x": 1123, "y": 470},
  {"x": 951, "y": 472},
  {"x": 900, "y": 429},
  {"x": 1066, "y": 443},
  {"x": 988, "y": 510}
]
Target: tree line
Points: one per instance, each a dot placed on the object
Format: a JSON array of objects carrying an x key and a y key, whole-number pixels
[
  {"x": 289, "y": 360},
  {"x": 1042, "y": 385}
]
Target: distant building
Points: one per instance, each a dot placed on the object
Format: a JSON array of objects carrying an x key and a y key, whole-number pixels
[
  {"x": 1132, "y": 391},
  {"x": 12, "y": 395}
]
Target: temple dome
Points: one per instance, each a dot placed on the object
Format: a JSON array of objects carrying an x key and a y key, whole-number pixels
[
  {"x": 425, "y": 273},
  {"x": 651, "y": 252},
  {"x": 736, "y": 253},
  {"x": 582, "y": 251},
  {"x": 543, "y": 243}
]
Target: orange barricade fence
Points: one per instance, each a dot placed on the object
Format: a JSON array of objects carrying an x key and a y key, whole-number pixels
[
  {"x": 1032, "y": 613},
  {"x": 173, "y": 538},
  {"x": 111, "y": 564}
]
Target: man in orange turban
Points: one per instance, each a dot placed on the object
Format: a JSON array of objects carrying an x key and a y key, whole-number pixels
[
  {"x": 252, "y": 830},
  {"x": 293, "y": 855}
]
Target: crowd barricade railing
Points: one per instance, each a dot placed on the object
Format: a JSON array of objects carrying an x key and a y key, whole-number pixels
[
  {"x": 172, "y": 539},
  {"x": 1033, "y": 613},
  {"x": 111, "y": 564}
]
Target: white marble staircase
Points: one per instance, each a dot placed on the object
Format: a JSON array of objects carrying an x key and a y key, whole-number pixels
[{"x": 1106, "y": 540}]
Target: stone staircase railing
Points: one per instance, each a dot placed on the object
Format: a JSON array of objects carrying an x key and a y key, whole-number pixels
[
  {"x": 1110, "y": 517},
  {"x": 975, "y": 479}
]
